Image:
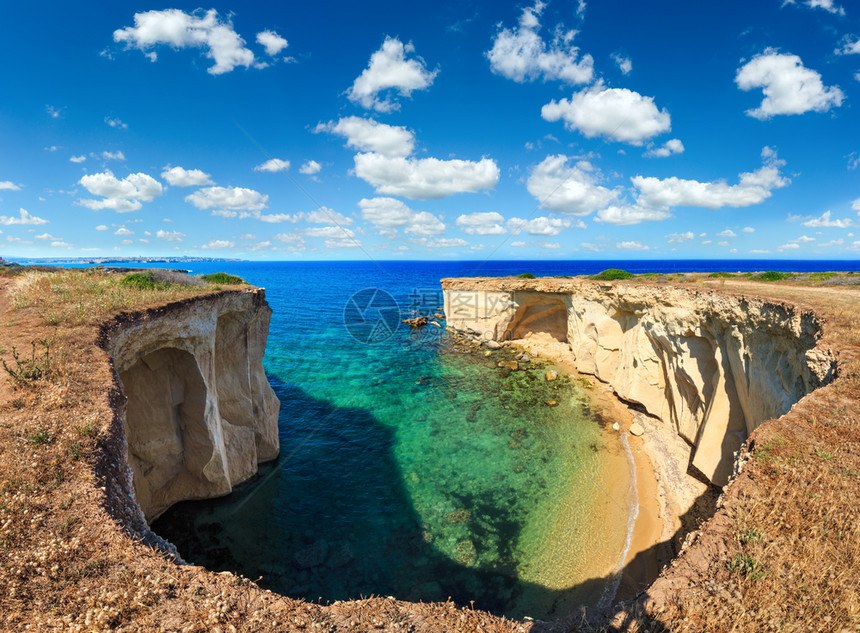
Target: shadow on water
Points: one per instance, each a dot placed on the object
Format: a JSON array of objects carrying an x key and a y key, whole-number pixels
[{"x": 332, "y": 520}]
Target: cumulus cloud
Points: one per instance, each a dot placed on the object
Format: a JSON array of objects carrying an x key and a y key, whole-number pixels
[
  {"x": 310, "y": 167},
  {"x": 489, "y": 223},
  {"x": 672, "y": 146},
  {"x": 179, "y": 177},
  {"x": 170, "y": 236},
  {"x": 272, "y": 42},
  {"x": 849, "y": 47},
  {"x": 329, "y": 231},
  {"x": 624, "y": 215},
  {"x": 122, "y": 195},
  {"x": 788, "y": 86},
  {"x": 632, "y": 245},
  {"x": 825, "y": 221},
  {"x": 572, "y": 190},
  {"x": 539, "y": 226},
  {"x": 389, "y": 214},
  {"x": 679, "y": 238},
  {"x": 727, "y": 233},
  {"x": 521, "y": 54},
  {"x": 233, "y": 198},
  {"x": 273, "y": 165},
  {"x": 123, "y": 231},
  {"x": 425, "y": 178},
  {"x": 102, "y": 227},
  {"x": 46, "y": 236},
  {"x": 623, "y": 62},
  {"x": 748, "y": 229},
  {"x": 367, "y": 135},
  {"x": 618, "y": 114},
  {"x": 389, "y": 69},
  {"x": 218, "y": 244},
  {"x": 23, "y": 217},
  {"x": 175, "y": 28},
  {"x": 856, "y": 205},
  {"x": 442, "y": 242},
  {"x": 77, "y": 159},
  {"x": 752, "y": 188},
  {"x": 115, "y": 123},
  {"x": 110, "y": 156},
  {"x": 8, "y": 185},
  {"x": 827, "y": 5}
]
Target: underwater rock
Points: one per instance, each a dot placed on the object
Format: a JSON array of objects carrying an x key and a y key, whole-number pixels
[
  {"x": 510, "y": 364},
  {"x": 493, "y": 344},
  {"x": 551, "y": 403},
  {"x": 417, "y": 322},
  {"x": 551, "y": 375},
  {"x": 312, "y": 555},
  {"x": 341, "y": 554},
  {"x": 465, "y": 552},
  {"x": 457, "y": 517}
]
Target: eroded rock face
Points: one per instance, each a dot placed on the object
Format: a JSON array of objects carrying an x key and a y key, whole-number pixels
[
  {"x": 200, "y": 413},
  {"x": 714, "y": 366}
]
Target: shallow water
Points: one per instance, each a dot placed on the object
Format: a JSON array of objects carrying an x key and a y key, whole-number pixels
[{"x": 410, "y": 468}]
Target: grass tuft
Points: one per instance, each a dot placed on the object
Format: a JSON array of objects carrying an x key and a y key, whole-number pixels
[
  {"x": 223, "y": 279},
  {"x": 611, "y": 274}
]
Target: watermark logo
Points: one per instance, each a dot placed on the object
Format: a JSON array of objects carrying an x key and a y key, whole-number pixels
[{"x": 371, "y": 315}]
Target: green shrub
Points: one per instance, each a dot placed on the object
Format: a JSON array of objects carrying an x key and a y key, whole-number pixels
[
  {"x": 526, "y": 276},
  {"x": 143, "y": 281},
  {"x": 223, "y": 278},
  {"x": 721, "y": 275},
  {"x": 611, "y": 274},
  {"x": 772, "y": 275}
]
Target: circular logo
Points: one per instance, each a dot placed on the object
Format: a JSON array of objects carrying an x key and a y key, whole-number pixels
[{"x": 371, "y": 315}]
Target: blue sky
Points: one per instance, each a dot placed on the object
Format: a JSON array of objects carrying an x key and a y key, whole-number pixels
[{"x": 342, "y": 130}]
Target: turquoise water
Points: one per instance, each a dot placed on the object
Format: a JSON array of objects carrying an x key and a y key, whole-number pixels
[{"x": 412, "y": 468}]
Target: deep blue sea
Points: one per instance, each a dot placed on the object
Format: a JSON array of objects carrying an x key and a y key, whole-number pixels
[{"x": 410, "y": 468}]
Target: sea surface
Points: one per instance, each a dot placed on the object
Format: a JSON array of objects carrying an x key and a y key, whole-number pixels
[{"x": 411, "y": 468}]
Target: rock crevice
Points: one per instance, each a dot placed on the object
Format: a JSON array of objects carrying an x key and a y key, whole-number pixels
[{"x": 714, "y": 366}]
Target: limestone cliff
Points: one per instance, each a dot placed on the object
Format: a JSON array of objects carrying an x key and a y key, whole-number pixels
[
  {"x": 714, "y": 366},
  {"x": 200, "y": 414}
]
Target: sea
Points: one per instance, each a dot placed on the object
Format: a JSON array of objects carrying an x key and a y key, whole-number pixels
[{"x": 410, "y": 467}]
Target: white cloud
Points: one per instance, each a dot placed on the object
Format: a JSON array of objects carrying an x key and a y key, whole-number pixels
[
  {"x": 102, "y": 227},
  {"x": 120, "y": 195},
  {"x": 748, "y": 229},
  {"x": 123, "y": 231},
  {"x": 788, "y": 86},
  {"x": 788, "y": 246},
  {"x": 77, "y": 159},
  {"x": 672, "y": 146},
  {"x": 367, "y": 135},
  {"x": 310, "y": 167},
  {"x": 170, "y": 236},
  {"x": 46, "y": 236},
  {"x": 752, "y": 188},
  {"x": 522, "y": 55},
  {"x": 803, "y": 239},
  {"x": 273, "y": 165},
  {"x": 110, "y": 156},
  {"x": 489, "y": 223},
  {"x": 272, "y": 42},
  {"x": 626, "y": 214},
  {"x": 539, "y": 226},
  {"x": 218, "y": 244},
  {"x": 566, "y": 189},
  {"x": 294, "y": 240},
  {"x": 390, "y": 70},
  {"x": 115, "y": 123},
  {"x": 678, "y": 238},
  {"x": 8, "y": 185},
  {"x": 825, "y": 222},
  {"x": 425, "y": 178},
  {"x": 389, "y": 214},
  {"x": 53, "y": 112},
  {"x": 60, "y": 244},
  {"x": 856, "y": 205},
  {"x": 442, "y": 242},
  {"x": 324, "y": 215},
  {"x": 178, "y": 29},
  {"x": 618, "y": 114},
  {"x": 727, "y": 233},
  {"x": 632, "y": 246},
  {"x": 234, "y": 198},
  {"x": 179, "y": 177},
  {"x": 849, "y": 47},
  {"x": 335, "y": 236},
  {"x": 52, "y": 148},
  {"x": 827, "y": 5},
  {"x": 623, "y": 62},
  {"x": 23, "y": 217}
]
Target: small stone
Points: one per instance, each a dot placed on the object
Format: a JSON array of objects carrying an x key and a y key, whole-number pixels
[
  {"x": 435, "y": 323},
  {"x": 525, "y": 358},
  {"x": 551, "y": 403},
  {"x": 493, "y": 344},
  {"x": 616, "y": 426},
  {"x": 510, "y": 364},
  {"x": 637, "y": 429},
  {"x": 551, "y": 375},
  {"x": 488, "y": 353}
]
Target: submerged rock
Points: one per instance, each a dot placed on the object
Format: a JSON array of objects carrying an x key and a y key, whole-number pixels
[
  {"x": 551, "y": 375},
  {"x": 493, "y": 344},
  {"x": 417, "y": 322},
  {"x": 510, "y": 364}
]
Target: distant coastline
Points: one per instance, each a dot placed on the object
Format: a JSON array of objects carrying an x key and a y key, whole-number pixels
[{"x": 119, "y": 260}]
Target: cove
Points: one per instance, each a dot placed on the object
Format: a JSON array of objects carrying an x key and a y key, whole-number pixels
[{"x": 416, "y": 470}]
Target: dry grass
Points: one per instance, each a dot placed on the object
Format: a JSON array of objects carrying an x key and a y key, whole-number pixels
[{"x": 783, "y": 553}]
